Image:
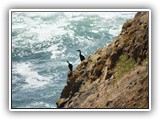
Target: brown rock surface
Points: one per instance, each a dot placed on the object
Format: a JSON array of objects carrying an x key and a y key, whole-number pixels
[{"x": 116, "y": 76}]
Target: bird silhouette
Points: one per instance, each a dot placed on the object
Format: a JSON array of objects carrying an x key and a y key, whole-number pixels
[
  {"x": 70, "y": 66},
  {"x": 81, "y": 56}
]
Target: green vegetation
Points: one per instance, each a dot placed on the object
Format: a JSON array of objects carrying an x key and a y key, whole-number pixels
[
  {"x": 123, "y": 66},
  {"x": 146, "y": 61},
  {"x": 114, "y": 82}
]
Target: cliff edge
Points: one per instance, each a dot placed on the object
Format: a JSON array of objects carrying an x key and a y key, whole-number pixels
[{"x": 116, "y": 76}]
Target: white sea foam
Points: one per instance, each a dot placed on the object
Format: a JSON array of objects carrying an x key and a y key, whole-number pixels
[
  {"x": 42, "y": 14},
  {"x": 115, "y": 32},
  {"x": 55, "y": 51},
  {"x": 32, "y": 78},
  {"x": 113, "y": 15},
  {"x": 38, "y": 27},
  {"x": 39, "y": 105},
  {"x": 49, "y": 94},
  {"x": 45, "y": 32}
]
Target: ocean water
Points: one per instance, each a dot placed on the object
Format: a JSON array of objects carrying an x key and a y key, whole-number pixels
[{"x": 42, "y": 42}]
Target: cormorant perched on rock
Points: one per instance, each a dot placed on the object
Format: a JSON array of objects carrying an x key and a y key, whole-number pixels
[
  {"x": 70, "y": 66},
  {"x": 81, "y": 56}
]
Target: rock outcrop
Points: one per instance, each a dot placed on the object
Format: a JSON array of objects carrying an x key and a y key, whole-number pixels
[{"x": 116, "y": 76}]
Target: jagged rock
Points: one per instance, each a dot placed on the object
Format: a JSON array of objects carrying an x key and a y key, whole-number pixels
[{"x": 116, "y": 76}]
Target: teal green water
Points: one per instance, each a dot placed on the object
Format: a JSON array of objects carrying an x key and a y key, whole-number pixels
[{"x": 42, "y": 42}]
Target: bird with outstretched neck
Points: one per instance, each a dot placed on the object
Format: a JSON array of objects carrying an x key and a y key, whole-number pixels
[
  {"x": 81, "y": 56},
  {"x": 70, "y": 66}
]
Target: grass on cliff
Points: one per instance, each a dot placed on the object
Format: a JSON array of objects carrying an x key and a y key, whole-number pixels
[
  {"x": 123, "y": 66},
  {"x": 145, "y": 62}
]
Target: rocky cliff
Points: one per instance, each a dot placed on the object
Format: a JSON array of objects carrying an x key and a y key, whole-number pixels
[{"x": 116, "y": 76}]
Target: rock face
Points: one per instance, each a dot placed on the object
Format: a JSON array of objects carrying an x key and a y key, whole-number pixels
[{"x": 116, "y": 76}]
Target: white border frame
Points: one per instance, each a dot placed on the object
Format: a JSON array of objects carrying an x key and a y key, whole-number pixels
[{"x": 73, "y": 10}]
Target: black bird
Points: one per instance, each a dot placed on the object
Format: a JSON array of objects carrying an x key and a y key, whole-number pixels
[
  {"x": 70, "y": 66},
  {"x": 81, "y": 56}
]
